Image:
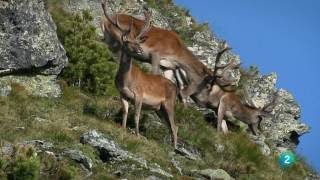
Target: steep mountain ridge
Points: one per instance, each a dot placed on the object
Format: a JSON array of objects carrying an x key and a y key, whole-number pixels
[
  {"x": 283, "y": 130},
  {"x": 78, "y": 135}
]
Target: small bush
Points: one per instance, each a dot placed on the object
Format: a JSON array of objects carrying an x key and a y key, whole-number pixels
[
  {"x": 60, "y": 137},
  {"x": 66, "y": 171},
  {"x": 91, "y": 65},
  {"x": 26, "y": 164},
  {"x": 2, "y": 173}
]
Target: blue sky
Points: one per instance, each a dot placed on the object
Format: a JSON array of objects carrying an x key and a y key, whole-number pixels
[{"x": 280, "y": 36}]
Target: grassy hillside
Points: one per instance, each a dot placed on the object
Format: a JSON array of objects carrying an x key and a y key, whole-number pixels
[
  {"x": 82, "y": 108},
  {"x": 62, "y": 121}
]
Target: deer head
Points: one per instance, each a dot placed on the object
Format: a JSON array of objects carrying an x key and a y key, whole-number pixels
[
  {"x": 131, "y": 41},
  {"x": 110, "y": 30}
]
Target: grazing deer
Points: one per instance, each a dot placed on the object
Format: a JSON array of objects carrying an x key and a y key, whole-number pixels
[
  {"x": 157, "y": 46},
  {"x": 227, "y": 103},
  {"x": 147, "y": 90}
]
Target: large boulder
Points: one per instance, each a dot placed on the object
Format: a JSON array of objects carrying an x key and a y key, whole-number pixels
[
  {"x": 28, "y": 41},
  {"x": 284, "y": 128}
]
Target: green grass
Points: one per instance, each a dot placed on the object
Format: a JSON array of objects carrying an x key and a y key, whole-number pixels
[
  {"x": 62, "y": 121},
  {"x": 68, "y": 117}
]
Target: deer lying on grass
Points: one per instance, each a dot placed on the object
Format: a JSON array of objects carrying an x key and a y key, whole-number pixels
[
  {"x": 147, "y": 90},
  {"x": 228, "y": 104},
  {"x": 157, "y": 46}
]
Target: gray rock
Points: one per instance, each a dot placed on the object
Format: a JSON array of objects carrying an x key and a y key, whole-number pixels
[
  {"x": 187, "y": 154},
  {"x": 176, "y": 164},
  {"x": 285, "y": 126},
  {"x": 312, "y": 176},
  {"x": 28, "y": 41},
  {"x": 260, "y": 141},
  {"x": 7, "y": 150},
  {"x": 155, "y": 168},
  {"x": 5, "y": 89},
  {"x": 38, "y": 85},
  {"x": 219, "y": 148},
  {"x": 152, "y": 178},
  {"x": 41, "y": 145},
  {"x": 213, "y": 174},
  {"x": 111, "y": 152},
  {"x": 29, "y": 45},
  {"x": 79, "y": 157}
]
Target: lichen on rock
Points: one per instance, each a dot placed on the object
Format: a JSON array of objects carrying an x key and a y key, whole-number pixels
[
  {"x": 29, "y": 46},
  {"x": 39, "y": 85}
]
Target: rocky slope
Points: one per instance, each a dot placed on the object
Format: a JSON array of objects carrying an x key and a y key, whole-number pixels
[
  {"x": 32, "y": 56},
  {"x": 283, "y": 130}
]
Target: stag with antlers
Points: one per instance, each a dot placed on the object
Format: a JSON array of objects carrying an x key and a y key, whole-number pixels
[
  {"x": 157, "y": 46},
  {"x": 227, "y": 103}
]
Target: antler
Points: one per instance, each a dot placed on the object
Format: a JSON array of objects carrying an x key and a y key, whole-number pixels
[
  {"x": 223, "y": 47},
  {"x": 116, "y": 24},
  {"x": 231, "y": 65},
  {"x": 103, "y": 4},
  {"x": 147, "y": 25},
  {"x": 220, "y": 78}
]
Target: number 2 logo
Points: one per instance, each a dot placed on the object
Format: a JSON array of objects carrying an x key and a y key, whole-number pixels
[{"x": 287, "y": 159}]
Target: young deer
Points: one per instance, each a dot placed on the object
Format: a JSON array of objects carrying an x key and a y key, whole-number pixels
[
  {"x": 157, "y": 46},
  {"x": 147, "y": 90}
]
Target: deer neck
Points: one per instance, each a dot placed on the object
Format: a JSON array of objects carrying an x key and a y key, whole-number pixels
[
  {"x": 193, "y": 66},
  {"x": 124, "y": 72}
]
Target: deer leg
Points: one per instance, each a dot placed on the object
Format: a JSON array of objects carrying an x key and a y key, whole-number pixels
[
  {"x": 169, "y": 116},
  {"x": 125, "y": 108},
  {"x": 224, "y": 127},
  {"x": 138, "y": 105},
  {"x": 254, "y": 128},
  {"x": 180, "y": 83},
  {"x": 181, "y": 77},
  {"x": 259, "y": 125},
  {"x": 221, "y": 111},
  {"x": 155, "y": 62}
]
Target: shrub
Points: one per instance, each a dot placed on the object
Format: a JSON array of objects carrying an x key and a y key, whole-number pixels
[
  {"x": 26, "y": 164},
  {"x": 2, "y": 174},
  {"x": 66, "y": 171},
  {"x": 91, "y": 65}
]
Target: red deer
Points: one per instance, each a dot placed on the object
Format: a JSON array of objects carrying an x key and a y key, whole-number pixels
[
  {"x": 157, "y": 46},
  {"x": 145, "y": 90},
  {"x": 227, "y": 103}
]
